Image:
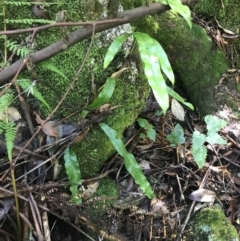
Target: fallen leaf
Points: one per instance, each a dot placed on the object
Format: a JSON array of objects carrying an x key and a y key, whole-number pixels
[
  {"x": 104, "y": 107},
  {"x": 47, "y": 128},
  {"x": 81, "y": 136},
  {"x": 177, "y": 110},
  {"x": 11, "y": 114},
  {"x": 89, "y": 190},
  {"x": 158, "y": 206},
  {"x": 56, "y": 169},
  {"x": 119, "y": 72},
  {"x": 145, "y": 147},
  {"x": 144, "y": 165},
  {"x": 203, "y": 195}
]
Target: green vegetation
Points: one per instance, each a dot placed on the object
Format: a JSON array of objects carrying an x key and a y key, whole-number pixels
[
  {"x": 199, "y": 151},
  {"x": 197, "y": 65},
  {"x": 107, "y": 193},
  {"x": 129, "y": 160},
  {"x": 211, "y": 224},
  {"x": 150, "y": 132}
]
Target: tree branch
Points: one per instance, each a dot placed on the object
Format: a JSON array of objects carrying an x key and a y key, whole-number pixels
[{"x": 83, "y": 33}]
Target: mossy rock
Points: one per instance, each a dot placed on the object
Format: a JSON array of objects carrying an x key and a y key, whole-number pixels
[
  {"x": 210, "y": 224},
  {"x": 129, "y": 95},
  {"x": 105, "y": 196},
  {"x": 197, "y": 66},
  {"x": 227, "y": 14}
]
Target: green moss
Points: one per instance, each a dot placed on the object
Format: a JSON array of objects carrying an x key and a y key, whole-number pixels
[
  {"x": 211, "y": 225},
  {"x": 228, "y": 16},
  {"x": 97, "y": 148},
  {"x": 132, "y": 4},
  {"x": 197, "y": 66},
  {"x": 107, "y": 192},
  {"x": 130, "y": 93}
]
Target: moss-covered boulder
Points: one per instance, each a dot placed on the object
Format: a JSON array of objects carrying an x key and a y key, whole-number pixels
[
  {"x": 226, "y": 12},
  {"x": 210, "y": 224},
  {"x": 129, "y": 95},
  {"x": 196, "y": 64}
]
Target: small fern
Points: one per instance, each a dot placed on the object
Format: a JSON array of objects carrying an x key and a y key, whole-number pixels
[
  {"x": 22, "y": 51},
  {"x": 29, "y": 21},
  {"x": 30, "y": 87},
  {"x": 21, "y": 3},
  {"x": 6, "y": 100},
  {"x": 10, "y": 134},
  {"x": 48, "y": 65}
]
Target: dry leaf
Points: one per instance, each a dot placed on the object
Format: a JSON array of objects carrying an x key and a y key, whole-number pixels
[
  {"x": 177, "y": 110},
  {"x": 203, "y": 195},
  {"x": 11, "y": 113},
  {"x": 144, "y": 165},
  {"x": 145, "y": 147},
  {"x": 82, "y": 135},
  {"x": 118, "y": 73},
  {"x": 47, "y": 128},
  {"x": 56, "y": 169},
  {"x": 158, "y": 206},
  {"x": 104, "y": 107},
  {"x": 89, "y": 190}
]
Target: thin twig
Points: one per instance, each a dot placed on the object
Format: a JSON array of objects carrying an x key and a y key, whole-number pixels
[{"x": 194, "y": 203}]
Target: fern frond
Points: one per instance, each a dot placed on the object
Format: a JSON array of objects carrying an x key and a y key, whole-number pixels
[
  {"x": 2, "y": 127},
  {"x": 6, "y": 100},
  {"x": 31, "y": 88},
  {"x": 50, "y": 66},
  {"x": 22, "y": 51},
  {"x": 21, "y": 3},
  {"x": 10, "y": 134},
  {"x": 29, "y": 21}
]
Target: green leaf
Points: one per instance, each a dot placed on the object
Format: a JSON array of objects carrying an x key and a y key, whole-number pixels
[
  {"x": 48, "y": 65},
  {"x": 6, "y": 100},
  {"x": 142, "y": 122},
  {"x": 151, "y": 134},
  {"x": 176, "y": 96},
  {"x": 198, "y": 139},
  {"x": 164, "y": 62},
  {"x": 177, "y": 135},
  {"x": 73, "y": 172},
  {"x": 214, "y": 124},
  {"x": 130, "y": 162},
  {"x": 10, "y": 134},
  {"x": 84, "y": 113},
  {"x": 30, "y": 87},
  {"x": 181, "y": 9},
  {"x": 199, "y": 151},
  {"x": 105, "y": 95},
  {"x": 158, "y": 113},
  {"x": 199, "y": 155},
  {"x": 147, "y": 49},
  {"x": 114, "y": 48},
  {"x": 215, "y": 138}
]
